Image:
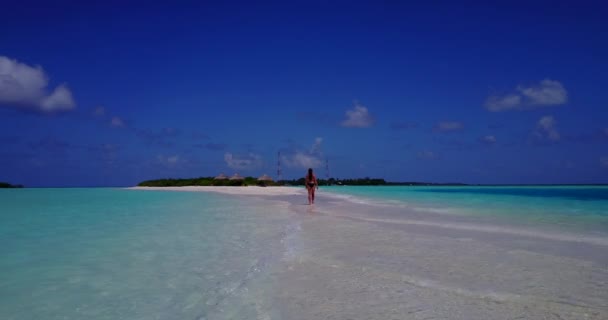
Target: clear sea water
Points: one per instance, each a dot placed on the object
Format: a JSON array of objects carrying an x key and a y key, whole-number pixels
[
  {"x": 576, "y": 208},
  {"x": 130, "y": 254}
]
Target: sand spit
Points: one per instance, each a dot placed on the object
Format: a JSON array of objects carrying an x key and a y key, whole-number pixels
[
  {"x": 348, "y": 259},
  {"x": 247, "y": 191}
]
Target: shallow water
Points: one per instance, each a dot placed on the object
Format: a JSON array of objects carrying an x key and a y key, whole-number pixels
[
  {"x": 578, "y": 208},
  {"x": 130, "y": 254},
  {"x": 124, "y": 254}
]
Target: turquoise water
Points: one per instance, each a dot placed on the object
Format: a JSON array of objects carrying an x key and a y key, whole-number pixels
[
  {"x": 570, "y": 207},
  {"x": 127, "y": 254},
  {"x": 131, "y": 254}
]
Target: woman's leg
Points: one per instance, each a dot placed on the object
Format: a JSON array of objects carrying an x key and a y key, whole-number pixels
[{"x": 309, "y": 195}]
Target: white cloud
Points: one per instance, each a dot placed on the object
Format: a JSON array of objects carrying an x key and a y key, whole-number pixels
[
  {"x": 489, "y": 139},
  {"x": 358, "y": 117},
  {"x": 299, "y": 159},
  {"x": 449, "y": 126},
  {"x": 60, "y": 99},
  {"x": 547, "y": 93},
  {"x": 496, "y": 103},
  {"x": 302, "y": 160},
  {"x": 117, "y": 122},
  {"x": 606, "y": 132},
  {"x": 168, "y": 161},
  {"x": 24, "y": 86},
  {"x": 316, "y": 147},
  {"x": 245, "y": 162},
  {"x": 547, "y": 128},
  {"x": 604, "y": 161}
]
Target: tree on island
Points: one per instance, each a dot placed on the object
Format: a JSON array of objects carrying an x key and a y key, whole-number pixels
[
  {"x": 252, "y": 181},
  {"x": 8, "y": 185},
  {"x": 204, "y": 181}
]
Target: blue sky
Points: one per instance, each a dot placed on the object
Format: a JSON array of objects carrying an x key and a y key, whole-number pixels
[{"x": 113, "y": 94}]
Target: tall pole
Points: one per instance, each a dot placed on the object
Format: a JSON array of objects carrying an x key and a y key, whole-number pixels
[
  {"x": 279, "y": 166},
  {"x": 327, "y": 170}
]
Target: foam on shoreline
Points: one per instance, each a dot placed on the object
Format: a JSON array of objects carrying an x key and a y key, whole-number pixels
[
  {"x": 430, "y": 217},
  {"x": 347, "y": 258},
  {"x": 264, "y": 253}
]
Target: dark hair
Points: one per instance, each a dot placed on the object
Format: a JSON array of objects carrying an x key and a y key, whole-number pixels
[{"x": 309, "y": 173}]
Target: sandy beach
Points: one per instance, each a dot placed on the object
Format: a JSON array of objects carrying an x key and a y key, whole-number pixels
[
  {"x": 245, "y": 191},
  {"x": 352, "y": 260}
]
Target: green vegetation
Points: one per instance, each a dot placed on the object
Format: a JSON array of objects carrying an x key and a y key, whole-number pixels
[
  {"x": 252, "y": 181},
  {"x": 204, "y": 181},
  {"x": 334, "y": 181},
  {"x": 366, "y": 182},
  {"x": 8, "y": 185}
]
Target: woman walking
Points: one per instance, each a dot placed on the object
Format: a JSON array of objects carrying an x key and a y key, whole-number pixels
[{"x": 311, "y": 185}]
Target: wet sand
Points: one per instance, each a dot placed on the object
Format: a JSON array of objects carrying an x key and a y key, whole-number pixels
[{"x": 347, "y": 260}]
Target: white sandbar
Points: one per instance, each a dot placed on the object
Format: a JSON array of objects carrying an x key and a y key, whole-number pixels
[
  {"x": 343, "y": 258},
  {"x": 247, "y": 191}
]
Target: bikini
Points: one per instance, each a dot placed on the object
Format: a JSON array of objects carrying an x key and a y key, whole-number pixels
[{"x": 311, "y": 184}]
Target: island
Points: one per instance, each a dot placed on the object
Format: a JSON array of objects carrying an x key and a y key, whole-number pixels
[
  {"x": 8, "y": 185},
  {"x": 252, "y": 181}
]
